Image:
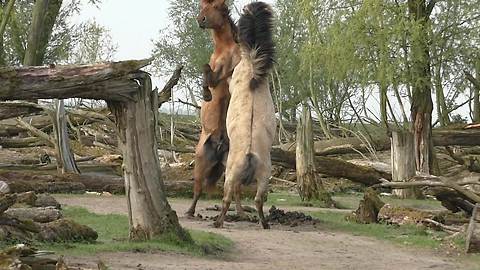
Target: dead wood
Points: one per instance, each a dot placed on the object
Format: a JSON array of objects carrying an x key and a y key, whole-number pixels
[
  {"x": 166, "y": 93},
  {"x": 6, "y": 201},
  {"x": 64, "y": 230},
  {"x": 473, "y": 232},
  {"x": 109, "y": 81},
  {"x": 334, "y": 167},
  {"x": 368, "y": 208},
  {"x": 37, "y": 214}
]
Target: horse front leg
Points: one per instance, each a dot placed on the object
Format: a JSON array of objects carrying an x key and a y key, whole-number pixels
[
  {"x": 207, "y": 78},
  {"x": 238, "y": 203}
]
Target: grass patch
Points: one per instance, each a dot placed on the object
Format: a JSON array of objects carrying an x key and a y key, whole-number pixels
[
  {"x": 408, "y": 235},
  {"x": 112, "y": 232},
  {"x": 349, "y": 201}
]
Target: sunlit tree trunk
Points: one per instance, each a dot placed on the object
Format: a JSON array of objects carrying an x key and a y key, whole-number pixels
[
  {"x": 309, "y": 186},
  {"x": 403, "y": 162},
  {"x": 422, "y": 105}
]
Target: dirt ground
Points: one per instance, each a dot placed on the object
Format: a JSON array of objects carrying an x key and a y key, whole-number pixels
[{"x": 267, "y": 249}]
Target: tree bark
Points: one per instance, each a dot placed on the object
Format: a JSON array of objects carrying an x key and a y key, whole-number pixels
[
  {"x": 3, "y": 25},
  {"x": 403, "y": 162},
  {"x": 65, "y": 160},
  {"x": 109, "y": 81},
  {"x": 422, "y": 105},
  {"x": 473, "y": 232},
  {"x": 149, "y": 212},
  {"x": 44, "y": 15},
  {"x": 309, "y": 186}
]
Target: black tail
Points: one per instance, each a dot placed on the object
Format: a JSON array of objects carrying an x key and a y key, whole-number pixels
[
  {"x": 248, "y": 174},
  {"x": 255, "y": 37}
]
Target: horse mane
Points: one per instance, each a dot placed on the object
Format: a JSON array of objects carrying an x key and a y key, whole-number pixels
[
  {"x": 228, "y": 14},
  {"x": 256, "y": 39}
]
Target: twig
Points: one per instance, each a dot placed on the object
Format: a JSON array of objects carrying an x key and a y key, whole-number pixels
[
  {"x": 283, "y": 181},
  {"x": 189, "y": 104}
]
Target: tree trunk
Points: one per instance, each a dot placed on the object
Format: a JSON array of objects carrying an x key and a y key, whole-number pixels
[
  {"x": 309, "y": 186},
  {"x": 403, "y": 162},
  {"x": 383, "y": 105},
  {"x": 442, "y": 109},
  {"x": 149, "y": 212},
  {"x": 473, "y": 232},
  {"x": 65, "y": 160},
  {"x": 422, "y": 105},
  {"x": 44, "y": 15},
  {"x": 476, "y": 95},
  {"x": 3, "y": 25}
]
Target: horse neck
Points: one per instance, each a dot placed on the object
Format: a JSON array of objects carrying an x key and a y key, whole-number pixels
[{"x": 223, "y": 37}]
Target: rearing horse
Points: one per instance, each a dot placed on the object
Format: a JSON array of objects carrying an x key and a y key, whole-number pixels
[{"x": 212, "y": 148}]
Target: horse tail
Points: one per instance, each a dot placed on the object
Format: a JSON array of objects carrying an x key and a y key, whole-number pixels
[
  {"x": 247, "y": 175},
  {"x": 255, "y": 38}
]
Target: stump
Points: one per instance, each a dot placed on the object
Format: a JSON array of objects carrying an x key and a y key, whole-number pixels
[
  {"x": 473, "y": 232},
  {"x": 403, "y": 162},
  {"x": 368, "y": 208}
]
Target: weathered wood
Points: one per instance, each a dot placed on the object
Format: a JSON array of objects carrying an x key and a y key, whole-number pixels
[
  {"x": 403, "y": 162},
  {"x": 64, "y": 230},
  {"x": 110, "y": 81},
  {"x": 37, "y": 214},
  {"x": 6, "y": 201},
  {"x": 334, "y": 167},
  {"x": 473, "y": 232},
  {"x": 65, "y": 160},
  {"x": 149, "y": 212},
  {"x": 309, "y": 186},
  {"x": 166, "y": 94},
  {"x": 368, "y": 208},
  {"x": 21, "y": 142}
]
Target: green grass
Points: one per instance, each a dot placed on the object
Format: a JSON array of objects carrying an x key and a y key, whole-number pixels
[
  {"x": 408, "y": 235},
  {"x": 349, "y": 201},
  {"x": 112, "y": 232}
]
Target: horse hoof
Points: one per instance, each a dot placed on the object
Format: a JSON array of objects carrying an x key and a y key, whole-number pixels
[
  {"x": 189, "y": 214},
  {"x": 265, "y": 225},
  {"x": 217, "y": 224}
]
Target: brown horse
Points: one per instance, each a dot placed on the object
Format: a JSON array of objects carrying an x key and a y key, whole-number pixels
[
  {"x": 251, "y": 120},
  {"x": 212, "y": 148}
]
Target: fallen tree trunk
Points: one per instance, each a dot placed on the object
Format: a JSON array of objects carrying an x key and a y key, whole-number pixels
[
  {"x": 334, "y": 167},
  {"x": 37, "y": 214},
  {"x": 339, "y": 146}
]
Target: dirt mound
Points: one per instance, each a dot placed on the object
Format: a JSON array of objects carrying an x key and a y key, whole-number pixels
[
  {"x": 292, "y": 219},
  {"x": 235, "y": 218}
]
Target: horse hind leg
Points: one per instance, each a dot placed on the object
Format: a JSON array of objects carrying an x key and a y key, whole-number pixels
[
  {"x": 199, "y": 173},
  {"x": 238, "y": 203},
  {"x": 262, "y": 188},
  {"x": 227, "y": 199}
]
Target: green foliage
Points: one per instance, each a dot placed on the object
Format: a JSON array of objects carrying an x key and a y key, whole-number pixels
[
  {"x": 68, "y": 42},
  {"x": 113, "y": 230},
  {"x": 183, "y": 43}
]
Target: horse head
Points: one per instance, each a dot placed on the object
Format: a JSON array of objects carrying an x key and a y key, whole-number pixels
[{"x": 213, "y": 14}]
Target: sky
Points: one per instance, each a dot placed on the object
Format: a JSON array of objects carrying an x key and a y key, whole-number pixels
[{"x": 133, "y": 26}]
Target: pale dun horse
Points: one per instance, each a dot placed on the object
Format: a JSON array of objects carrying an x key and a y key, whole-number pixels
[{"x": 251, "y": 119}]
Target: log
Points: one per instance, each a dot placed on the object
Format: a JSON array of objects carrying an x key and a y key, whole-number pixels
[
  {"x": 334, "y": 167},
  {"x": 108, "y": 81},
  {"x": 6, "y": 201},
  {"x": 64, "y": 230},
  {"x": 473, "y": 232},
  {"x": 37, "y": 214},
  {"x": 351, "y": 145},
  {"x": 21, "y": 142}
]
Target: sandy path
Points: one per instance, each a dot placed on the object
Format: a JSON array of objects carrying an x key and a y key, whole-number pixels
[{"x": 271, "y": 249}]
